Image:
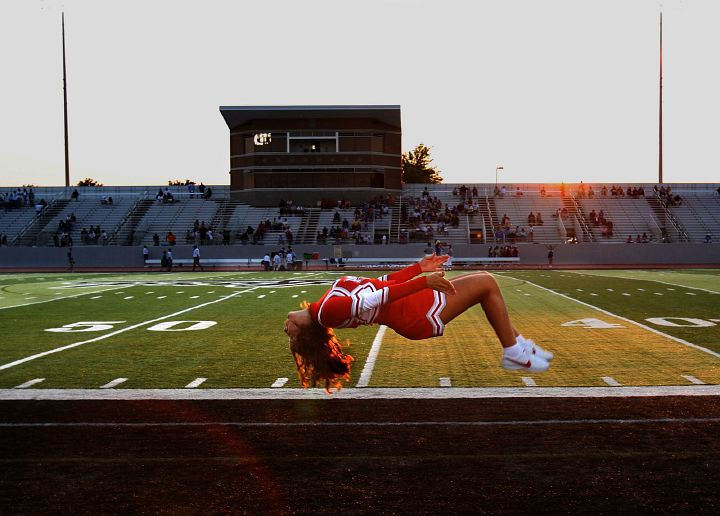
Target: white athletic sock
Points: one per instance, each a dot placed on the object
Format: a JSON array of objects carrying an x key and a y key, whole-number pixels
[{"x": 514, "y": 351}]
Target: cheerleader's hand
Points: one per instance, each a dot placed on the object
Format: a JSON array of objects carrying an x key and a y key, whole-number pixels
[
  {"x": 432, "y": 263},
  {"x": 437, "y": 281}
]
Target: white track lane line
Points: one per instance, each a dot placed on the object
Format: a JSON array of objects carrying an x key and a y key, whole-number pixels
[
  {"x": 58, "y": 298},
  {"x": 116, "y": 381},
  {"x": 648, "y": 328},
  {"x": 29, "y": 383},
  {"x": 195, "y": 383},
  {"x": 415, "y": 393},
  {"x": 295, "y": 424},
  {"x": 116, "y": 332},
  {"x": 367, "y": 371}
]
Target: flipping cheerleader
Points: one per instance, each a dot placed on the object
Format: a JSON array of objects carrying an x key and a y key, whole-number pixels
[{"x": 417, "y": 307}]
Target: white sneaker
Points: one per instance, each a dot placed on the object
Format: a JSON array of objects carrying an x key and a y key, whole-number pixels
[
  {"x": 537, "y": 350},
  {"x": 526, "y": 361}
]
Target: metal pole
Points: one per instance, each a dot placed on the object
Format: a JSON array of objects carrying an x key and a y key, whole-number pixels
[
  {"x": 67, "y": 155},
  {"x": 660, "y": 135}
]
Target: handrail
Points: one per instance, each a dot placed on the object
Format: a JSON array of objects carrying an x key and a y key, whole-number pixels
[
  {"x": 492, "y": 224},
  {"x": 26, "y": 227},
  {"x": 580, "y": 216},
  {"x": 676, "y": 223}
]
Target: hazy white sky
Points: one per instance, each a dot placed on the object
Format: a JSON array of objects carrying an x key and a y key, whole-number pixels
[{"x": 557, "y": 90}]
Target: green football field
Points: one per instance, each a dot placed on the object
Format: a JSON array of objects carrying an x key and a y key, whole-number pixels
[{"x": 224, "y": 330}]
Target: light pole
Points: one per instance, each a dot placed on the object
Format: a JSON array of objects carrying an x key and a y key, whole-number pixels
[{"x": 499, "y": 167}]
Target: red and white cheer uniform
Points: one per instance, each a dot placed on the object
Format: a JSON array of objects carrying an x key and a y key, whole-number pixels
[{"x": 399, "y": 300}]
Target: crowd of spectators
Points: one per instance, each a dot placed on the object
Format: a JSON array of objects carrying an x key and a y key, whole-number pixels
[
  {"x": 504, "y": 251},
  {"x": 599, "y": 220},
  {"x": 644, "y": 239},
  {"x": 667, "y": 197},
  {"x": 18, "y": 198},
  {"x": 428, "y": 216}
]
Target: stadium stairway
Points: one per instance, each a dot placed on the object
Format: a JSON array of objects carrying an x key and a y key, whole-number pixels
[
  {"x": 29, "y": 236},
  {"x": 307, "y": 231},
  {"x": 125, "y": 231}
]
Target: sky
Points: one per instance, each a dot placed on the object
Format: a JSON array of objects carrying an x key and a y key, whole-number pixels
[{"x": 557, "y": 90}]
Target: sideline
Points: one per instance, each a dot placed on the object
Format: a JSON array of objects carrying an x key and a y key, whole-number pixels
[
  {"x": 578, "y": 272},
  {"x": 64, "y": 297},
  {"x": 116, "y": 332},
  {"x": 414, "y": 393},
  {"x": 641, "y": 325}
]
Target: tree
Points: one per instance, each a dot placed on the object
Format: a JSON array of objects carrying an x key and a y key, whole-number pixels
[
  {"x": 89, "y": 181},
  {"x": 416, "y": 166}
]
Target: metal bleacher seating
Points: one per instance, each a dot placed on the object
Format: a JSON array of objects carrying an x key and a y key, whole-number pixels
[
  {"x": 177, "y": 217},
  {"x": 13, "y": 221},
  {"x": 88, "y": 212},
  {"x": 629, "y": 217},
  {"x": 517, "y": 208},
  {"x": 699, "y": 216}
]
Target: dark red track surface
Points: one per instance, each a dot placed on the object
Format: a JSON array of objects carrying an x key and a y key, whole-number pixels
[{"x": 602, "y": 467}]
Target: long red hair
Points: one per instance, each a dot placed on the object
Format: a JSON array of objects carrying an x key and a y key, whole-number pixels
[{"x": 319, "y": 357}]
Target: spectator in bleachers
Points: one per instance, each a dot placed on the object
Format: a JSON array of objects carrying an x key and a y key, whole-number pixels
[
  {"x": 645, "y": 239},
  {"x": 75, "y": 195},
  {"x": 156, "y": 239},
  {"x": 604, "y": 191},
  {"x": 708, "y": 238},
  {"x": 170, "y": 238},
  {"x": 226, "y": 236},
  {"x": 591, "y": 192},
  {"x": 209, "y": 236},
  {"x": 542, "y": 191},
  {"x": 629, "y": 240},
  {"x": 531, "y": 219}
]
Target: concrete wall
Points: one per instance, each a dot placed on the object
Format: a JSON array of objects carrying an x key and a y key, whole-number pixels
[{"x": 530, "y": 254}]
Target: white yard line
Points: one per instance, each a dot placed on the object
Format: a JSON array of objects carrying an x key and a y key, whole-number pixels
[
  {"x": 115, "y": 382},
  {"x": 29, "y": 383},
  {"x": 116, "y": 332},
  {"x": 58, "y": 298},
  {"x": 367, "y": 371},
  {"x": 648, "y": 328},
  {"x": 360, "y": 393},
  {"x": 195, "y": 383},
  {"x": 692, "y": 379}
]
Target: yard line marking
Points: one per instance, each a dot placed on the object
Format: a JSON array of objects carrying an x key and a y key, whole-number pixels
[
  {"x": 294, "y": 295},
  {"x": 96, "y": 297},
  {"x": 667, "y": 283},
  {"x": 195, "y": 383},
  {"x": 641, "y": 289},
  {"x": 364, "y": 380},
  {"x": 529, "y": 382},
  {"x": 58, "y": 298},
  {"x": 180, "y": 292},
  {"x": 610, "y": 381},
  {"x": 29, "y": 383},
  {"x": 691, "y": 293},
  {"x": 279, "y": 383},
  {"x": 625, "y": 294},
  {"x": 161, "y": 297},
  {"x": 116, "y": 381},
  {"x": 128, "y": 297},
  {"x": 116, "y": 332},
  {"x": 692, "y": 379},
  {"x": 361, "y": 393},
  {"x": 295, "y": 424},
  {"x": 261, "y": 296},
  {"x": 194, "y": 297},
  {"x": 445, "y": 382},
  {"x": 648, "y": 328}
]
